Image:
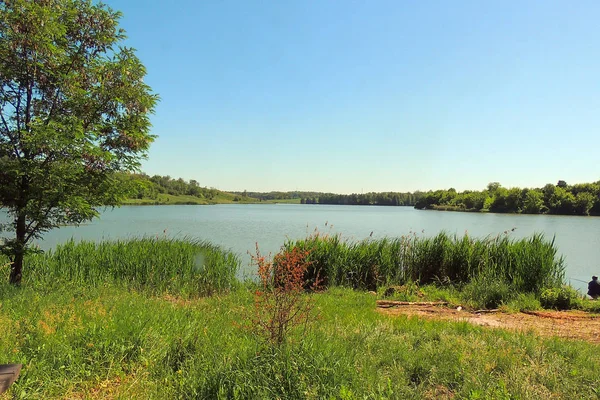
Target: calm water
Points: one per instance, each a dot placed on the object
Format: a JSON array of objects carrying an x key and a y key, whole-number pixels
[{"x": 239, "y": 227}]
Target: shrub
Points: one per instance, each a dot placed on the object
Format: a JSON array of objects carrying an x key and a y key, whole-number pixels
[
  {"x": 560, "y": 298},
  {"x": 487, "y": 291},
  {"x": 524, "y": 302},
  {"x": 281, "y": 304}
]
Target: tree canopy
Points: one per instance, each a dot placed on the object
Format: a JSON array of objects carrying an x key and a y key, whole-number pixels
[
  {"x": 74, "y": 109},
  {"x": 564, "y": 199}
]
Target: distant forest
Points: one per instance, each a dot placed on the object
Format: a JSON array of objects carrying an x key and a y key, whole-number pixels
[
  {"x": 376, "y": 199},
  {"x": 369, "y": 199},
  {"x": 143, "y": 186},
  {"x": 563, "y": 199}
]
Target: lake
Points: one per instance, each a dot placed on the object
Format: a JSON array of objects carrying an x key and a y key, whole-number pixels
[{"x": 239, "y": 226}]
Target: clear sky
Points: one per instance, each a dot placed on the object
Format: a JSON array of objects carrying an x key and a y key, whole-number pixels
[{"x": 350, "y": 96}]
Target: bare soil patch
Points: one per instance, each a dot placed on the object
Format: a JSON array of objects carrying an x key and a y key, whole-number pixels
[{"x": 565, "y": 324}]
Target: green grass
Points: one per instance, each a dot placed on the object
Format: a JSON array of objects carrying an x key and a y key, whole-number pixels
[
  {"x": 491, "y": 270},
  {"x": 281, "y": 201},
  {"x": 168, "y": 199},
  {"x": 184, "y": 267},
  {"x": 96, "y": 342},
  {"x": 126, "y": 320}
]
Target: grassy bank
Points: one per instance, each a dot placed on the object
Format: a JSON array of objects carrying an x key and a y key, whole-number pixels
[
  {"x": 169, "y": 199},
  {"x": 489, "y": 271},
  {"x": 221, "y": 198},
  {"x": 111, "y": 342},
  {"x": 155, "y": 318},
  {"x": 186, "y": 267}
]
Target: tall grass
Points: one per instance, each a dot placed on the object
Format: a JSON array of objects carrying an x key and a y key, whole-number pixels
[
  {"x": 108, "y": 342},
  {"x": 184, "y": 267},
  {"x": 526, "y": 265}
]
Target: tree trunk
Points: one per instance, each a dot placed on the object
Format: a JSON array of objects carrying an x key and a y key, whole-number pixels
[{"x": 16, "y": 271}]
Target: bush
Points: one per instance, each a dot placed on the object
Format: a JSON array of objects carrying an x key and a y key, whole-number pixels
[
  {"x": 560, "y": 298},
  {"x": 281, "y": 304},
  {"x": 487, "y": 292},
  {"x": 524, "y": 302}
]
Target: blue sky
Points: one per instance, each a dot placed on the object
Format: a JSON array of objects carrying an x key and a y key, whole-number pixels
[{"x": 351, "y": 96}]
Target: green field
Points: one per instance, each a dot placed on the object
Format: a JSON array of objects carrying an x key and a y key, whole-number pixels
[
  {"x": 165, "y": 319},
  {"x": 168, "y": 199}
]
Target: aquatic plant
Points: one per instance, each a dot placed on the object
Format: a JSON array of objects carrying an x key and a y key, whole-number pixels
[
  {"x": 525, "y": 265},
  {"x": 184, "y": 267}
]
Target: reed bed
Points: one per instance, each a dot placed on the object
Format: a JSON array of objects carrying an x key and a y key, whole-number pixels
[
  {"x": 184, "y": 267},
  {"x": 525, "y": 265}
]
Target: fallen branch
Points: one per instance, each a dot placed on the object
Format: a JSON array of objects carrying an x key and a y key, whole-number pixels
[
  {"x": 390, "y": 303},
  {"x": 556, "y": 315},
  {"x": 485, "y": 311}
]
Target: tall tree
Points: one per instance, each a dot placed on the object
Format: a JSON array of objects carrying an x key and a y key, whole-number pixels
[{"x": 74, "y": 109}]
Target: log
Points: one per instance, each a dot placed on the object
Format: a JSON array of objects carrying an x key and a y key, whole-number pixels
[
  {"x": 8, "y": 375},
  {"x": 390, "y": 303}
]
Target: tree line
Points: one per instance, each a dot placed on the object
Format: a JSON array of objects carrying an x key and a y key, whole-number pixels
[
  {"x": 142, "y": 186},
  {"x": 562, "y": 199},
  {"x": 366, "y": 199},
  {"x": 278, "y": 195}
]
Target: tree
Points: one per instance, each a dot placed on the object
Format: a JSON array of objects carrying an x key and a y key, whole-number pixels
[
  {"x": 533, "y": 202},
  {"x": 561, "y": 202},
  {"x": 584, "y": 202},
  {"x": 74, "y": 110}
]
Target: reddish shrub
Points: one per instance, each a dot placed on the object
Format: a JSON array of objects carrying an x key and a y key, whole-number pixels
[{"x": 281, "y": 304}]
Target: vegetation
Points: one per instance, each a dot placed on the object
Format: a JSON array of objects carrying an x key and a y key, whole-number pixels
[
  {"x": 280, "y": 305},
  {"x": 277, "y": 197},
  {"x": 74, "y": 109},
  {"x": 369, "y": 199},
  {"x": 579, "y": 199},
  {"x": 157, "y": 265},
  {"x": 158, "y": 189},
  {"x": 126, "y": 320},
  {"x": 103, "y": 342},
  {"x": 490, "y": 271},
  {"x": 564, "y": 199}
]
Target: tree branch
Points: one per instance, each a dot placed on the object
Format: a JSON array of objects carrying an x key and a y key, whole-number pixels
[{"x": 10, "y": 137}]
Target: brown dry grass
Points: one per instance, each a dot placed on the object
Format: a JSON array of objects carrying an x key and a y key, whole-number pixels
[{"x": 565, "y": 324}]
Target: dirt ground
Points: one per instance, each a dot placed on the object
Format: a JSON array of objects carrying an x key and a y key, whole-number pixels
[{"x": 566, "y": 324}]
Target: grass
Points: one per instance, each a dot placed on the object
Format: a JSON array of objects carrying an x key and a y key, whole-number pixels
[
  {"x": 100, "y": 342},
  {"x": 219, "y": 198},
  {"x": 165, "y": 319},
  {"x": 186, "y": 267},
  {"x": 168, "y": 199},
  {"x": 281, "y": 201},
  {"x": 491, "y": 270}
]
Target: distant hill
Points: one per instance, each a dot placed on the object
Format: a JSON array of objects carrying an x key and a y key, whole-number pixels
[{"x": 158, "y": 190}]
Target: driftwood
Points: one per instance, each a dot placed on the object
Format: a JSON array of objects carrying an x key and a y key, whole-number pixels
[
  {"x": 8, "y": 375},
  {"x": 390, "y": 303}
]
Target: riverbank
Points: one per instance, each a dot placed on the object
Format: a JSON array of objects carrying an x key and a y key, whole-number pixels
[
  {"x": 109, "y": 342},
  {"x": 221, "y": 198},
  {"x": 157, "y": 318}
]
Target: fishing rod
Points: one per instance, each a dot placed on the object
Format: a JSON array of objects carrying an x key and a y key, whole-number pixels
[{"x": 578, "y": 280}]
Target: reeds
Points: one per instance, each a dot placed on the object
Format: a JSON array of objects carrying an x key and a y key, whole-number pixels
[
  {"x": 183, "y": 267},
  {"x": 526, "y": 265}
]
